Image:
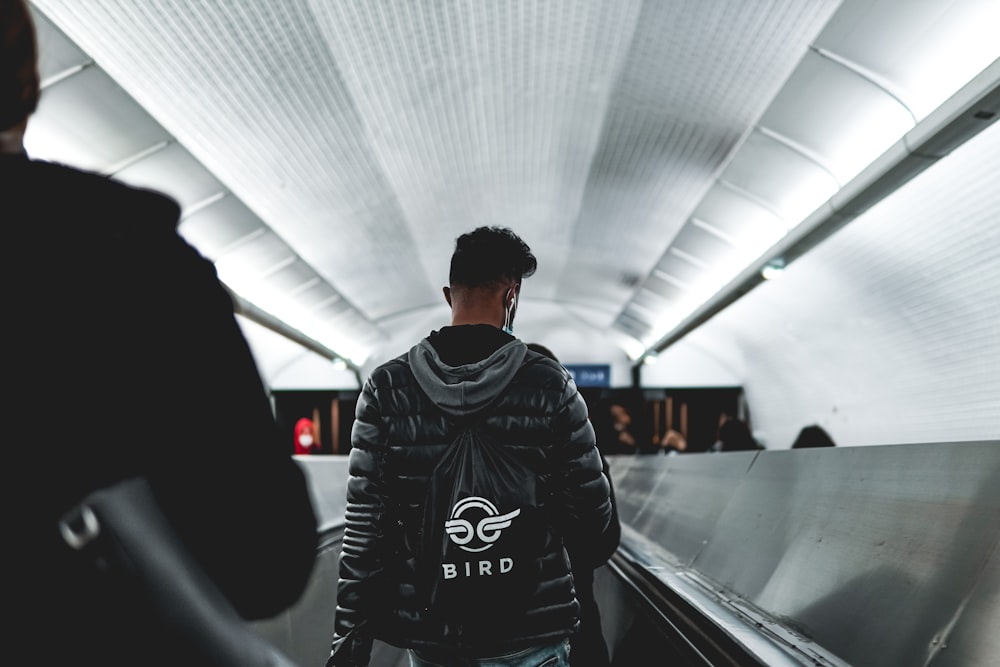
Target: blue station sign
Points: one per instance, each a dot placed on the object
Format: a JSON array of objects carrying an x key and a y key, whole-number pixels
[{"x": 590, "y": 375}]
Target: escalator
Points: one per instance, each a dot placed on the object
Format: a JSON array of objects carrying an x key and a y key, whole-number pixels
[
  {"x": 640, "y": 615},
  {"x": 829, "y": 557}
]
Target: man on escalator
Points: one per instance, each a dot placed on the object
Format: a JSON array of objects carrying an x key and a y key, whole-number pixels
[{"x": 411, "y": 413}]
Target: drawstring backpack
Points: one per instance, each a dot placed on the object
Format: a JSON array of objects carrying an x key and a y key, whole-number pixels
[{"x": 483, "y": 537}]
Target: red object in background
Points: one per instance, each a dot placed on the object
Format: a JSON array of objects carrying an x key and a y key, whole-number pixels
[{"x": 305, "y": 437}]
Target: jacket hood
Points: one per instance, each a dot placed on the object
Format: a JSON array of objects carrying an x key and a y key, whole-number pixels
[{"x": 466, "y": 389}]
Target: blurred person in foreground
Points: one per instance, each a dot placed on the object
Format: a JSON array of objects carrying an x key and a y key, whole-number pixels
[
  {"x": 122, "y": 339},
  {"x": 410, "y": 410}
]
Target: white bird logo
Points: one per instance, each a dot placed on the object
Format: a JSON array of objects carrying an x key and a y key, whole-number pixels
[{"x": 461, "y": 531}]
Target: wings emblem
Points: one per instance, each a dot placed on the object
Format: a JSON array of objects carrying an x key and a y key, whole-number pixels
[{"x": 488, "y": 529}]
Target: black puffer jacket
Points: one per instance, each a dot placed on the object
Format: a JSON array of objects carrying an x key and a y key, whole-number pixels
[{"x": 407, "y": 415}]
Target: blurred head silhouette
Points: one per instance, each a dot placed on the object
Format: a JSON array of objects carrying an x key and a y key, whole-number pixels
[
  {"x": 19, "y": 80},
  {"x": 812, "y": 436},
  {"x": 734, "y": 436}
]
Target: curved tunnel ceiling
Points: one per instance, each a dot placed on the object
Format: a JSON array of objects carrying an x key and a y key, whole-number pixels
[{"x": 326, "y": 155}]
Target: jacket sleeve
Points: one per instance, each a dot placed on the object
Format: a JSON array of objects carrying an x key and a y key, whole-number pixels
[
  {"x": 581, "y": 487},
  {"x": 361, "y": 558},
  {"x": 593, "y": 554}
]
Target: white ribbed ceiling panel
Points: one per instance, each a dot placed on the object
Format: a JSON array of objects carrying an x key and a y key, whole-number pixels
[
  {"x": 252, "y": 89},
  {"x": 644, "y": 149},
  {"x": 849, "y": 99},
  {"x": 697, "y": 78},
  {"x": 482, "y": 113},
  {"x": 360, "y": 131},
  {"x": 823, "y": 94},
  {"x": 921, "y": 52},
  {"x": 59, "y": 55},
  {"x": 101, "y": 136},
  {"x": 784, "y": 164},
  {"x": 190, "y": 183},
  {"x": 86, "y": 119}
]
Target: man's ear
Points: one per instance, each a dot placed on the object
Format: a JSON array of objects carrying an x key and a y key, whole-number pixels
[{"x": 447, "y": 294}]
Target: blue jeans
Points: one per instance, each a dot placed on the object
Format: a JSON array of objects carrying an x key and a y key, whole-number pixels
[{"x": 553, "y": 655}]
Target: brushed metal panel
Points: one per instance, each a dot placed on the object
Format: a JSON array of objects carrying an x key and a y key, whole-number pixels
[
  {"x": 974, "y": 640},
  {"x": 878, "y": 554},
  {"x": 675, "y": 501}
]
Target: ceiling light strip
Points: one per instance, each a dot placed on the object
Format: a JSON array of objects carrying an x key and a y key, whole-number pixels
[
  {"x": 958, "y": 120},
  {"x": 248, "y": 310}
]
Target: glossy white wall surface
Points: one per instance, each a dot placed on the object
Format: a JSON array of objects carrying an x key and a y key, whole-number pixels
[{"x": 696, "y": 362}]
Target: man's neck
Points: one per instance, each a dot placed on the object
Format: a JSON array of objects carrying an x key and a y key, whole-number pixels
[
  {"x": 459, "y": 321},
  {"x": 476, "y": 306},
  {"x": 480, "y": 315}
]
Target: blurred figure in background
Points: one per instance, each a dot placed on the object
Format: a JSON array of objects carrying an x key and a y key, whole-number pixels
[
  {"x": 614, "y": 431},
  {"x": 306, "y": 441},
  {"x": 672, "y": 443},
  {"x": 734, "y": 436},
  {"x": 812, "y": 436},
  {"x": 157, "y": 351}
]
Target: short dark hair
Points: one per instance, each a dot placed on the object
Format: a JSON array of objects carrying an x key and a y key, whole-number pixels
[
  {"x": 489, "y": 256},
  {"x": 19, "y": 81}
]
